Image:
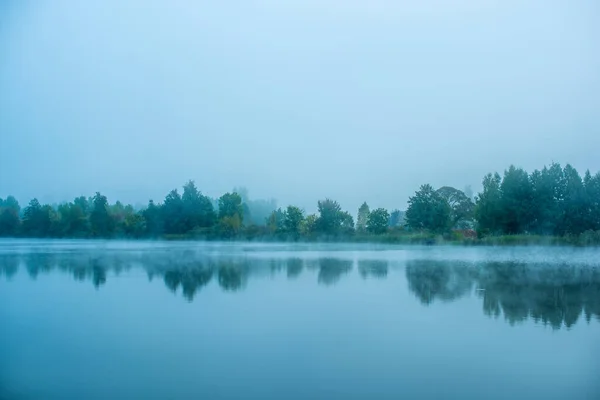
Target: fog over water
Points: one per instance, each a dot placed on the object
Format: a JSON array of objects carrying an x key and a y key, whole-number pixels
[
  {"x": 97, "y": 320},
  {"x": 443, "y": 273}
]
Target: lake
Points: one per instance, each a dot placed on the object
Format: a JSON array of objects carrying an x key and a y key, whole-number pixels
[{"x": 189, "y": 320}]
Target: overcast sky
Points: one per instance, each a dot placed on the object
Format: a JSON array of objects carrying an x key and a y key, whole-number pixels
[{"x": 296, "y": 100}]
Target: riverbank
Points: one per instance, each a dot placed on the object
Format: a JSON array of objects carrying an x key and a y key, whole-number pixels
[{"x": 587, "y": 239}]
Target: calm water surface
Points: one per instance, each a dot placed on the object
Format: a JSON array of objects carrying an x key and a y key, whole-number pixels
[{"x": 143, "y": 320}]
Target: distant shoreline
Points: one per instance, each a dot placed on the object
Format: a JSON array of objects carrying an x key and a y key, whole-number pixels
[
  {"x": 404, "y": 239},
  {"x": 551, "y": 206}
]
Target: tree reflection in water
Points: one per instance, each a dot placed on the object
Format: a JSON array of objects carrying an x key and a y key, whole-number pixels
[
  {"x": 9, "y": 265},
  {"x": 373, "y": 268},
  {"x": 294, "y": 267},
  {"x": 431, "y": 280},
  {"x": 555, "y": 295},
  {"x": 550, "y": 294},
  {"x": 332, "y": 269}
]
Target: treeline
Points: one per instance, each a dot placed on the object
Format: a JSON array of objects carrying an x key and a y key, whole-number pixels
[
  {"x": 554, "y": 201},
  {"x": 187, "y": 215}
]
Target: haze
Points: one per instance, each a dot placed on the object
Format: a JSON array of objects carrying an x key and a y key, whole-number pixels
[{"x": 296, "y": 100}]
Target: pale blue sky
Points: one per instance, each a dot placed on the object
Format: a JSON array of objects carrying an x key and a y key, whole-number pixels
[{"x": 297, "y": 100}]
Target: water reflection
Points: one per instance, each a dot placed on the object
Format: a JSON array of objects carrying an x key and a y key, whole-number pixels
[
  {"x": 431, "y": 280},
  {"x": 233, "y": 277},
  {"x": 373, "y": 268},
  {"x": 332, "y": 269},
  {"x": 556, "y": 295},
  {"x": 294, "y": 267},
  {"x": 9, "y": 265},
  {"x": 190, "y": 280}
]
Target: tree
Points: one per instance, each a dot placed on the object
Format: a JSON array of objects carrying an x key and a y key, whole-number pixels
[
  {"x": 548, "y": 194},
  {"x": 377, "y": 222},
  {"x": 31, "y": 217},
  {"x": 462, "y": 208},
  {"x": 230, "y": 226},
  {"x": 230, "y": 214},
  {"x": 276, "y": 221},
  {"x": 230, "y": 204},
  {"x": 134, "y": 225},
  {"x": 362, "y": 217},
  {"x": 575, "y": 205},
  {"x": 396, "y": 218},
  {"x": 293, "y": 220},
  {"x": 74, "y": 218},
  {"x": 9, "y": 216},
  {"x": 101, "y": 222},
  {"x": 427, "y": 210},
  {"x": 346, "y": 223},
  {"x": 516, "y": 201},
  {"x": 118, "y": 212},
  {"x": 309, "y": 225},
  {"x": 152, "y": 219},
  {"x": 10, "y": 204},
  {"x": 172, "y": 213},
  {"x": 330, "y": 217},
  {"x": 592, "y": 188},
  {"x": 198, "y": 210},
  {"x": 9, "y": 222},
  {"x": 256, "y": 212},
  {"x": 488, "y": 206},
  {"x": 38, "y": 220}
]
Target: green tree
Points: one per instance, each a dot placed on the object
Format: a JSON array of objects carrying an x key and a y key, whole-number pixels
[
  {"x": 37, "y": 220},
  {"x": 309, "y": 225},
  {"x": 74, "y": 219},
  {"x": 346, "y": 223},
  {"x": 362, "y": 217},
  {"x": 52, "y": 215},
  {"x": 575, "y": 205},
  {"x": 548, "y": 195},
  {"x": 198, "y": 210},
  {"x": 231, "y": 214},
  {"x": 10, "y": 203},
  {"x": 592, "y": 188},
  {"x": 276, "y": 221},
  {"x": 427, "y": 210},
  {"x": 230, "y": 204},
  {"x": 172, "y": 214},
  {"x": 9, "y": 223},
  {"x": 9, "y": 217},
  {"x": 293, "y": 219},
  {"x": 330, "y": 217},
  {"x": 377, "y": 223},
  {"x": 152, "y": 219},
  {"x": 488, "y": 211},
  {"x": 118, "y": 212},
  {"x": 230, "y": 226},
  {"x": 102, "y": 224},
  {"x": 134, "y": 225},
  {"x": 462, "y": 208},
  {"x": 516, "y": 201}
]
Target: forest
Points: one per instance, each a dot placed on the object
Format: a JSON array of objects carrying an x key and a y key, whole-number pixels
[{"x": 551, "y": 205}]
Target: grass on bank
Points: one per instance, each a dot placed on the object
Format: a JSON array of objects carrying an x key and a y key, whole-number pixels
[{"x": 586, "y": 239}]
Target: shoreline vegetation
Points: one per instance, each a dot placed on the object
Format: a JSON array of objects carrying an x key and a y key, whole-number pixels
[{"x": 551, "y": 206}]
